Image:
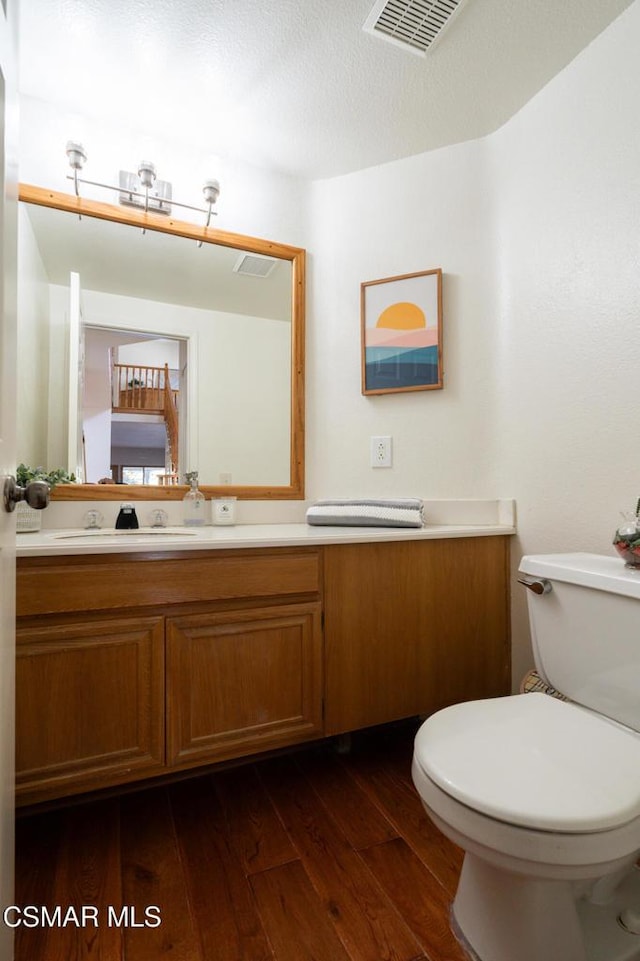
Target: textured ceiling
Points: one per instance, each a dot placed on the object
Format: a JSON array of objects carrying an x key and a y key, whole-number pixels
[{"x": 294, "y": 85}]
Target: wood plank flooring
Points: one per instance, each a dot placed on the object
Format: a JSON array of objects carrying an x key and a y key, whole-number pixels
[{"x": 309, "y": 856}]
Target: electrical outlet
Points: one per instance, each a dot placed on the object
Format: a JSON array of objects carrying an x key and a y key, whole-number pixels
[{"x": 381, "y": 452}]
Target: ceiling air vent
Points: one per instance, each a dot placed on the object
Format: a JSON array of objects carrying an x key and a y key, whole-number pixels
[
  {"x": 412, "y": 24},
  {"x": 254, "y": 265}
]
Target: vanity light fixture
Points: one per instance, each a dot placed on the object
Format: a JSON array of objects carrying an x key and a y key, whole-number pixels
[
  {"x": 211, "y": 191},
  {"x": 142, "y": 189},
  {"x": 77, "y": 159}
]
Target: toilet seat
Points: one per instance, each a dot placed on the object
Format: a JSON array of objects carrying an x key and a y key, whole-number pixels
[
  {"x": 533, "y": 761},
  {"x": 527, "y": 850}
]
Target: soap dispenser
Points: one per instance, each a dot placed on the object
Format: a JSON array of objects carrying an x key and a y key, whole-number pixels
[
  {"x": 127, "y": 519},
  {"x": 194, "y": 502}
]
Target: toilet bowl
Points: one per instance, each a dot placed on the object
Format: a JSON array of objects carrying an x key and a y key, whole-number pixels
[{"x": 543, "y": 796}]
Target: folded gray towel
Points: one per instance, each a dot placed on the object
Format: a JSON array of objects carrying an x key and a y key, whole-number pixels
[
  {"x": 411, "y": 503},
  {"x": 366, "y": 513}
]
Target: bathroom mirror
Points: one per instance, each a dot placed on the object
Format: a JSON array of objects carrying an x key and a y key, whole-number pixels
[{"x": 215, "y": 318}]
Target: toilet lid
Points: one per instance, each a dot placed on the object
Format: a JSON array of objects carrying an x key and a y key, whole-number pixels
[{"x": 535, "y": 761}]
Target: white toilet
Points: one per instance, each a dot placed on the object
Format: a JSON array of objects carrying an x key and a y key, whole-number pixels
[{"x": 543, "y": 795}]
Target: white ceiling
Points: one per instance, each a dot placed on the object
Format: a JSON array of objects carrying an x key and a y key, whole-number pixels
[{"x": 296, "y": 85}]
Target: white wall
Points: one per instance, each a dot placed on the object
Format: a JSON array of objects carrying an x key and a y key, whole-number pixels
[
  {"x": 566, "y": 177},
  {"x": 151, "y": 353},
  {"x": 57, "y": 426},
  {"x": 244, "y": 392},
  {"x": 96, "y": 405},
  {"x": 33, "y": 350},
  {"x": 399, "y": 218}
]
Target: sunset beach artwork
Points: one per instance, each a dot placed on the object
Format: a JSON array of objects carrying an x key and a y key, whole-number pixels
[{"x": 402, "y": 333}]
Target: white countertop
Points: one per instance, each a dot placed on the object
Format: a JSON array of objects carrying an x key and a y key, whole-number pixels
[{"x": 108, "y": 541}]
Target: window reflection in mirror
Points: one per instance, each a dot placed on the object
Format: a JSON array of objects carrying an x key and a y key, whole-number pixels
[{"x": 230, "y": 312}]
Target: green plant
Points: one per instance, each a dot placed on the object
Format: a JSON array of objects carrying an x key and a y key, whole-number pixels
[{"x": 24, "y": 475}]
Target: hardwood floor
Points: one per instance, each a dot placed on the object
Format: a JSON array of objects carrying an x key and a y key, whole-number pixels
[{"x": 310, "y": 856}]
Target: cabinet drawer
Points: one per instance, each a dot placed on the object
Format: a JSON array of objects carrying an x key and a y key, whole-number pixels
[{"x": 114, "y": 582}]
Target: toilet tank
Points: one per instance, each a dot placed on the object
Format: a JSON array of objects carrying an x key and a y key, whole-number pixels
[{"x": 585, "y": 631}]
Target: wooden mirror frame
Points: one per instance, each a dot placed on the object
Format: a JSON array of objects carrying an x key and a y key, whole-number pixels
[{"x": 296, "y": 255}]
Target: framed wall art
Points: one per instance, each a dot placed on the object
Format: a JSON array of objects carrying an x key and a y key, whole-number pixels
[{"x": 402, "y": 333}]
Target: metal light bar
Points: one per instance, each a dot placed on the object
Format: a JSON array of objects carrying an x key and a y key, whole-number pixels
[
  {"x": 137, "y": 193},
  {"x": 77, "y": 158}
]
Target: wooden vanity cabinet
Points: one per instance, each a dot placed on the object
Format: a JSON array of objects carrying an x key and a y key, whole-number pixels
[{"x": 131, "y": 666}]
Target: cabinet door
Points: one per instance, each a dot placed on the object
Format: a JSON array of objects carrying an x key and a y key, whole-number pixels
[
  {"x": 89, "y": 705},
  {"x": 242, "y": 681},
  {"x": 412, "y": 626}
]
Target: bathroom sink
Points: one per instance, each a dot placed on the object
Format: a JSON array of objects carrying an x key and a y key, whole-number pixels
[{"x": 138, "y": 532}]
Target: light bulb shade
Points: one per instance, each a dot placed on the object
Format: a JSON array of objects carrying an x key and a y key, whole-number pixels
[
  {"x": 211, "y": 191},
  {"x": 146, "y": 173},
  {"x": 76, "y": 154}
]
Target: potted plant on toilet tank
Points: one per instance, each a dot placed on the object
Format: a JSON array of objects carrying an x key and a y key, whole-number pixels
[{"x": 627, "y": 538}]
